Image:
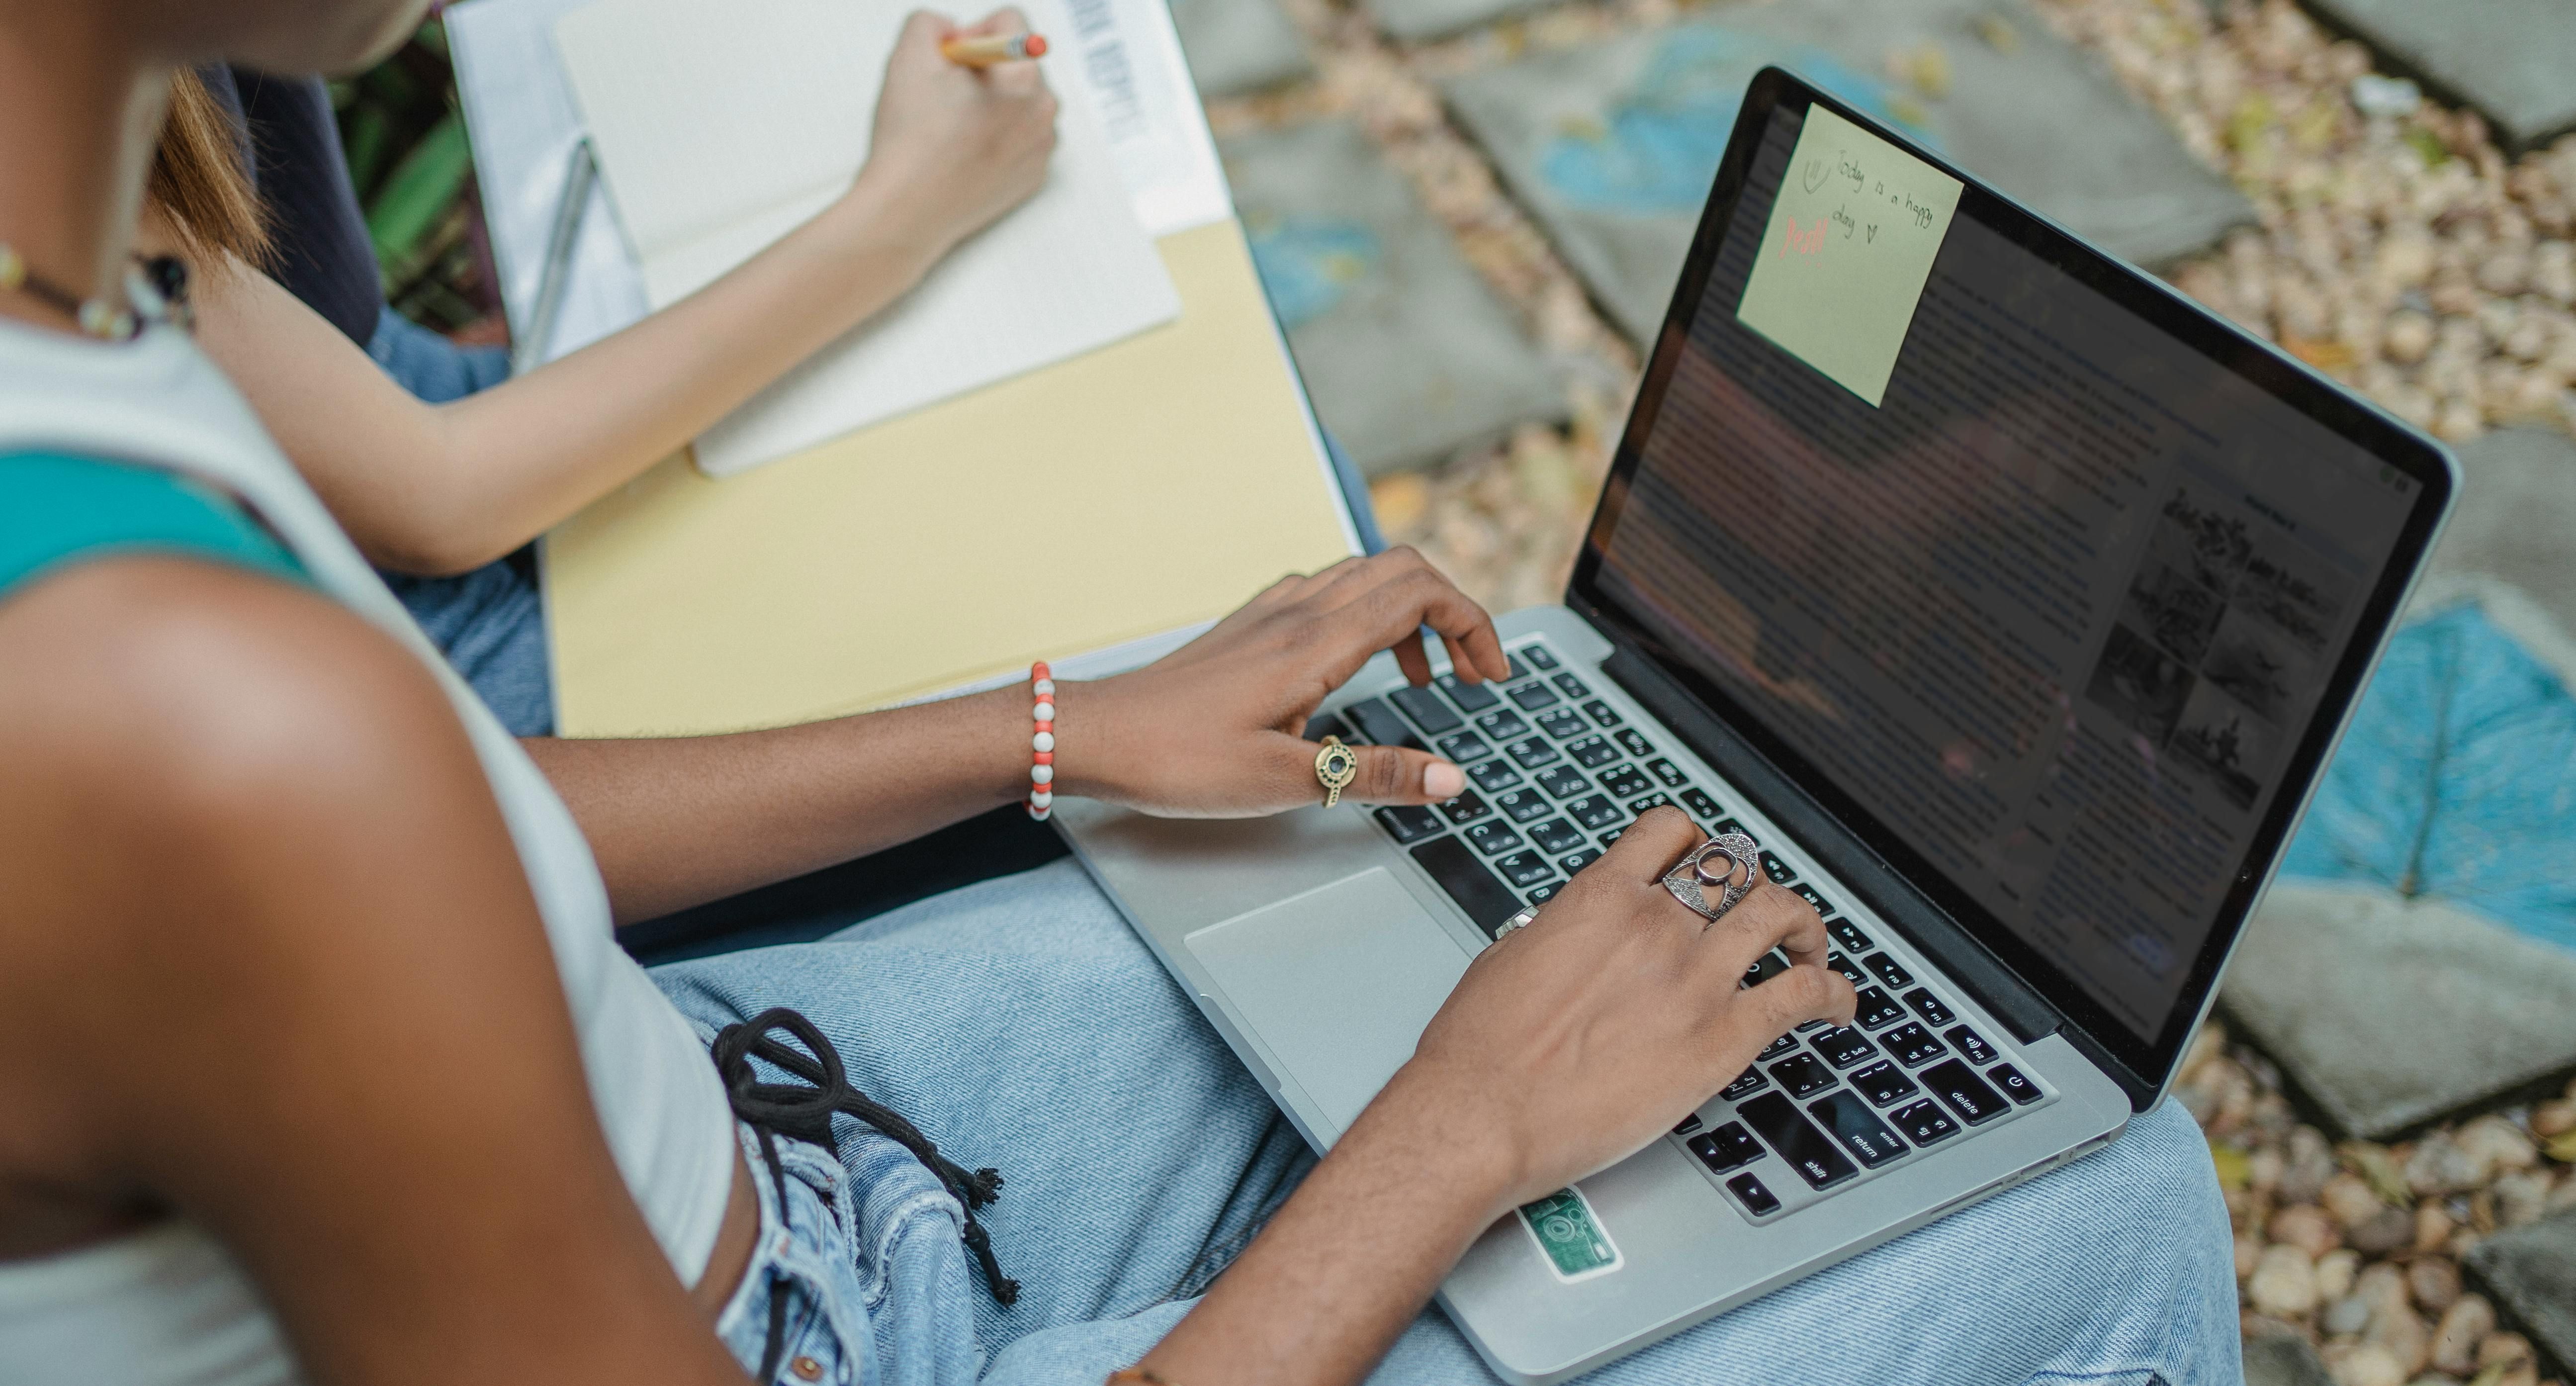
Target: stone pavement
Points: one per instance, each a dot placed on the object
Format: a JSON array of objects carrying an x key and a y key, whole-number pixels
[
  {"x": 2515, "y": 60},
  {"x": 1612, "y": 145},
  {"x": 2532, "y": 1273},
  {"x": 1407, "y": 353},
  {"x": 1238, "y": 46}
]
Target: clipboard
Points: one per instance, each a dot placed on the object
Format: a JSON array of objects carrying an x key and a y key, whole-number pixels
[{"x": 1096, "y": 514}]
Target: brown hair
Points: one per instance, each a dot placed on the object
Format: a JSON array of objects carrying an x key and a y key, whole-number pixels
[{"x": 199, "y": 182}]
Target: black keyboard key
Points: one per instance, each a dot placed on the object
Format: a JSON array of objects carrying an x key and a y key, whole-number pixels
[
  {"x": 1533, "y": 696},
  {"x": 1486, "y": 900},
  {"x": 1883, "y": 1083},
  {"x": 1843, "y": 1046},
  {"x": 1503, "y": 725},
  {"x": 1376, "y": 722},
  {"x": 1324, "y": 724},
  {"x": 1493, "y": 776},
  {"x": 1532, "y": 752},
  {"x": 1723, "y": 826},
  {"x": 1496, "y": 836},
  {"x": 1858, "y": 1128},
  {"x": 1808, "y": 1026},
  {"x": 1925, "y": 1122},
  {"x": 1575, "y": 861},
  {"x": 1556, "y": 836},
  {"x": 1464, "y": 746},
  {"x": 1817, "y": 1160},
  {"x": 1546, "y": 892},
  {"x": 1690, "y": 1125},
  {"x": 1562, "y": 724},
  {"x": 2016, "y": 1087},
  {"x": 1474, "y": 697},
  {"x": 1803, "y": 1074},
  {"x": 1427, "y": 709},
  {"x": 1564, "y": 781},
  {"x": 1912, "y": 1045},
  {"x": 1626, "y": 782},
  {"x": 1750, "y": 1080},
  {"x": 1777, "y": 869},
  {"x": 1466, "y": 808},
  {"x": 1808, "y": 893},
  {"x": 1539, "y": 656},
  {"x": 1848, "y": 968},
  {"x": 1592, "y": 752},
  {"x": 1728, "y": 1147},
  {"x": 1669, "y": 773},
  {"x": 1889, "y": 971},
  {"x": 1658, "y": 799},
  {"x": 1701, "y": 805},
  {"x": 1571, "y": 686},
  {"x": 1764, "y": 968},
  {"x": 1635, "y": 743},
  {"x": 1525, "y": 869},
  {"x": 1877, "y": 1008},
  {"x": 1408, "y": 823},
  {"x": 1601, "y": 712},
  {"x": 1929, "y": 1007},
  {"x": 1957, "y": 1084},
  {"x": 1778, "y": 1047},
  {"x": 1595, "y": 812},
  {"x": 1757, "y": 1200},
  {"x": 1848, "y": 935},
  {"x": 1611, "y": 837},
  {"x": 1972, "y": 1044},
  {"x": 1522, "y": 805}
]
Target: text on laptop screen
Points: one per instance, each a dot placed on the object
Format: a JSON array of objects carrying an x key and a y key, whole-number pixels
[{"x": 2053, "y": 610}]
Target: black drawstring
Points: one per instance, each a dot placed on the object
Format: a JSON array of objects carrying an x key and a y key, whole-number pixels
[{"x": 805, "y": 1113}]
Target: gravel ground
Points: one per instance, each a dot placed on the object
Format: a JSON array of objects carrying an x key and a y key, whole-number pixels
[{"x": 2399, "y": 251}]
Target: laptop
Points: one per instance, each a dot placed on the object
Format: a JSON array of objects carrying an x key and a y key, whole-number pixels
[{"x": 2011, "y": 601}]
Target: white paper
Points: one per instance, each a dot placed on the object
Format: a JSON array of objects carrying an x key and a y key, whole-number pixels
[
  {"x": 720, "y": 125},
  {"x": 1129, "y": 58}
]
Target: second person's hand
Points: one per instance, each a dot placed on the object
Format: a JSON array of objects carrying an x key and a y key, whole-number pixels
[{"x": 954, "y": 147}]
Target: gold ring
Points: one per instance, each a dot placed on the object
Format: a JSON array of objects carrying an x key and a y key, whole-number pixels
[{"x": 1335, "y": 767}]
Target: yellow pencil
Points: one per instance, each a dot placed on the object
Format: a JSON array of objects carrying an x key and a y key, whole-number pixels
[{"x": 997, "y": 48}]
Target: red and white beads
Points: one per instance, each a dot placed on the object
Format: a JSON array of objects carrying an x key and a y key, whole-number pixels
[{"x": 1041, "y": 741}]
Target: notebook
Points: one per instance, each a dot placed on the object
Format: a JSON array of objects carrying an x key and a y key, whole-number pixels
[{"x": 721, "y": 125}]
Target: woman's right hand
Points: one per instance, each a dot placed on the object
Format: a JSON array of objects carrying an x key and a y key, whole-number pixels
[
  {"x": 1575, "y": 1041},
  {"x": 955, "y": 147}
]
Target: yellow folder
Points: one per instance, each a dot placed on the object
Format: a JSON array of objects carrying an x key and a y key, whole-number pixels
[{"x": 1142, "y": 488}]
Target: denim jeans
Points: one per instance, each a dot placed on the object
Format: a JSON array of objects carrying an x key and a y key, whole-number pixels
[
  {"x": 491, "y": 622},
  {"x": 1021, "y": 1024}
]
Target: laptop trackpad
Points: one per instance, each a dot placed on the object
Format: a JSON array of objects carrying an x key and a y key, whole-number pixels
[{"x": 1337, "y": 983}]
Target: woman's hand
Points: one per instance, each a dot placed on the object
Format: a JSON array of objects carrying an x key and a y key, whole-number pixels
[
  {"x": 954, "y": 147},
  {"x": 1581, "y": 1037},
  {"x": 1216, "y": 728}
]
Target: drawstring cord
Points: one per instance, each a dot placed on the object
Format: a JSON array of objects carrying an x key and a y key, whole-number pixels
[{"x": 805, "y": 1113}]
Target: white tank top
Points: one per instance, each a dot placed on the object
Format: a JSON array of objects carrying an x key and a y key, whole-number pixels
[{"x": 168, "y": 1306}]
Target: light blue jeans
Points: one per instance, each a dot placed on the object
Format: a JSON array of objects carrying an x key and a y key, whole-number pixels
[{"x": 1021, "y": 1024}]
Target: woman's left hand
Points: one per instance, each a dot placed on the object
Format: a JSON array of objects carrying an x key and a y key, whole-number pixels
[{"x": 1216, "y": 728}]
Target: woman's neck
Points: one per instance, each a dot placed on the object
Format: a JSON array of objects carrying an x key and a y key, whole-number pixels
[{"x": 79, "y": 119}]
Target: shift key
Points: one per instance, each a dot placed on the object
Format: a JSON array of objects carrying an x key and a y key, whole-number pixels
[{"x": 1796, "y": 1140}]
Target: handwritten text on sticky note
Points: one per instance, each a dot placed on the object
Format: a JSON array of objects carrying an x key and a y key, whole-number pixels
[{"x": 1850, "y": 244}]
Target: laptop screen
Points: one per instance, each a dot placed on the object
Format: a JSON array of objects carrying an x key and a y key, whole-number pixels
[{"x": 2004, "y": 555}]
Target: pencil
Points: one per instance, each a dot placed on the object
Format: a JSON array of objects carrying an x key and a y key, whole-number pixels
[{"x": 996, "y": 48}]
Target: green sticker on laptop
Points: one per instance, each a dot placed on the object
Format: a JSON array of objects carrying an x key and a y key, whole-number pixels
[{"x": 1575, "y": 1244}]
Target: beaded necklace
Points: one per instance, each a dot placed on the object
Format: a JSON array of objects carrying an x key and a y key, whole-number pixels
[{"x": 159, "y": 284}]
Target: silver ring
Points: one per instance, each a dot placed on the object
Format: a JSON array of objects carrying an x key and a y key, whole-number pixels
[
  {"x": 1691, "y": 879},
  {"x": 1516, "y": 923}
]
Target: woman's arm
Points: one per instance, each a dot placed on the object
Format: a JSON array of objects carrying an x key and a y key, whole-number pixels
[
  {"x": 443, "y": 489},
  {"x": 1214, "y": 729}
]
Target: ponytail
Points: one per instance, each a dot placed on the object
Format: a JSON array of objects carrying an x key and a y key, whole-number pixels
[{"x": 199, "y": 182}]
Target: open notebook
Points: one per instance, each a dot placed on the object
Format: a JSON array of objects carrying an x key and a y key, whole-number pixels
[{"x": 721, "y": 125}]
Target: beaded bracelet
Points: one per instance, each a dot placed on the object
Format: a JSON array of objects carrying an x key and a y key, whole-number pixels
[{"x": 1042, "y": 741}]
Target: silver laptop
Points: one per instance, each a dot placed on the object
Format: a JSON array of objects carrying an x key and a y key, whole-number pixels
[{"x": 2015, "y": 621}]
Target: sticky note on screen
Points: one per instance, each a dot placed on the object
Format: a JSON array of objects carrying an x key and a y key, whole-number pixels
[{"x": 1850, "y": 244}]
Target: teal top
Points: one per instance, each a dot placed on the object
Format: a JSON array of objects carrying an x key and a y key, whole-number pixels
[{"x": 56, "y": 510}]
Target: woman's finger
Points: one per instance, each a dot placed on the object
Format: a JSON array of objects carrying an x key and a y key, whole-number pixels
[
  {"x": 1383, "y": 775},
  {"x": 1768, "y": 918}
]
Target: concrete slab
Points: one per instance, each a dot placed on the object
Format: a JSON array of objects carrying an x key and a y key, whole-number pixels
[
  {"x": 2508, "y": 58},
  {"x": 1419, "y": 21},
  {"x": 2531, "y": 1272},
  {"x": 2279, "y": 1359},
  {"x": 2393, "y": 1013},
  {"x": 2516, "y": 511},
  {"x": 1407, "y": 353},
  {"x": 1239, "y": 46},
  {"x": 1612, "y": 146}
]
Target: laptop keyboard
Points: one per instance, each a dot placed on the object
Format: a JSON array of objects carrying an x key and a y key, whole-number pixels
[{"x": 1555, "y": 775}]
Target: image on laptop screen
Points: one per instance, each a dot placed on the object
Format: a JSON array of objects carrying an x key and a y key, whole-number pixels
[{"x": 2047, "y": 592}]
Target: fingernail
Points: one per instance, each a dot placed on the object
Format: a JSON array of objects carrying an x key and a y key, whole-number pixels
[{"x": 1441, "y": 780}]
